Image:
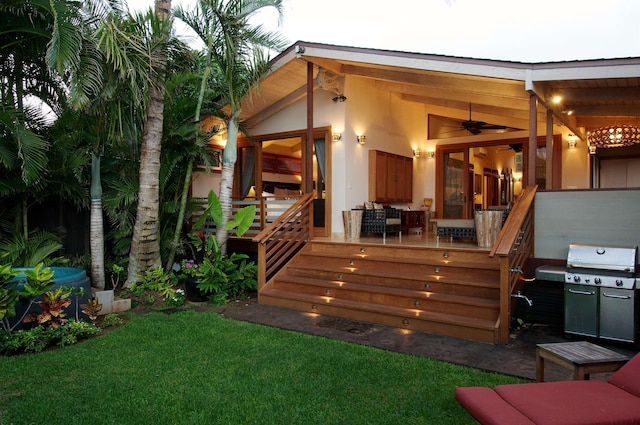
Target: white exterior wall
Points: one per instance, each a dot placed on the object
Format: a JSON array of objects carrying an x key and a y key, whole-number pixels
[{"x": 388, "y": 123}]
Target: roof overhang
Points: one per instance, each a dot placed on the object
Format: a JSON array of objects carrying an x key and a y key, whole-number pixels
[{"x": 594, "y": 92}]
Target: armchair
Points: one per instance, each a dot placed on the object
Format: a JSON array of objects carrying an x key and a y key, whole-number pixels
[{"x": 382, "y": 220}]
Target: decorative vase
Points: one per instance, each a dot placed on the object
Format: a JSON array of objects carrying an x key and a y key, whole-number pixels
[{"x": 194, "y": 294}]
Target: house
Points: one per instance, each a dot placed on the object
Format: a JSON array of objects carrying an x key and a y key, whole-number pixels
[{"x": 467, "y": 133}]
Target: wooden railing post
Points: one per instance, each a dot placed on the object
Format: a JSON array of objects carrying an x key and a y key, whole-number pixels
[
  {"x": 514, "y": 246},
  {"x": 282, "y": 238}
]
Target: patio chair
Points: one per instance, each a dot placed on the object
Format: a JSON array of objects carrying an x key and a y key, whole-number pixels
[{"x": 382, "y": 220}]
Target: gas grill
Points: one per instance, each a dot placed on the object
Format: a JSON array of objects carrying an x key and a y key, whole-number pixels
[{"x": 600, "y": 296}]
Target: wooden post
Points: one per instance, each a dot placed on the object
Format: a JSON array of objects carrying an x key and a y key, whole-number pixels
[{"x": 307, "y": 148}]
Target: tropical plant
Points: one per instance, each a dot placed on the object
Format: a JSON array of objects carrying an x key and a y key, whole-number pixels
[
  {"x": 237, "y": 54},
  {"x": 219, "y": 274},
  {"x": 53, "y": 303},
  {"x": 36, "y": 282},
  {"x": 38, "y": 338},
  {"x": 29, "y": 251},
  {"x": 92, "y": 308},
  {"x": 155, "y": 285},
  {"x": 9, "y": 295}
]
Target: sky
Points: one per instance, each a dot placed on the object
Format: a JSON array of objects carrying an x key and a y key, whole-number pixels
[{"x": 511, "y": 30}]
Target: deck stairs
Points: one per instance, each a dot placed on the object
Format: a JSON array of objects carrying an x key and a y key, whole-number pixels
[{"x": 453, "y": 292}]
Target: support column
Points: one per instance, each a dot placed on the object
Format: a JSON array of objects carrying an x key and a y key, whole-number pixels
[
  {"x": 533, "y": 141},
  {"x": 307, "y": 147},
  {"x": 549, "y": 149}
]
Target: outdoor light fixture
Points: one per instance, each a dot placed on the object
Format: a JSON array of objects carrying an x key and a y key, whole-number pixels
[
  {"x": 336, "y": 137},
  {"x": 614, "y": 136},
  {"x": 361, "y": 139},
  {"x": 416, "y": 152}
]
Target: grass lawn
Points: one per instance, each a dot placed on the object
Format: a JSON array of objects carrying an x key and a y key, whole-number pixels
[{"x": 199, "y": 368}]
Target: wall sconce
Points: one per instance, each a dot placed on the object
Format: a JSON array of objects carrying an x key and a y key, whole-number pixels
[
  {"x": 573, "y": 141},
  {"x": 416, "y": 153},
  {"x": 592, "y": 149},
  {"x": 361, "y": 139},
  {"x": 336, "y": 137},
  {"x": 431, "y": 154}
]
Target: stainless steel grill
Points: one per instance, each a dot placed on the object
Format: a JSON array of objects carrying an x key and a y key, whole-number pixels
[{"x": 600, "y": 296}]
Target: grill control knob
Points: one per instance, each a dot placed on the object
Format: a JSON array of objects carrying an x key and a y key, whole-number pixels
[
  {"x": 597, "y": 280},
  {"x": 576, "y": 278},
  {"x": 619, "y": 282}
]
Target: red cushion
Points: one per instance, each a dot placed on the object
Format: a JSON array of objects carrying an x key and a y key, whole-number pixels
[
  {"x": 488, "y": 408},
  {"x": 572, "y": 403},
  {"x": 628, "y": 377}
]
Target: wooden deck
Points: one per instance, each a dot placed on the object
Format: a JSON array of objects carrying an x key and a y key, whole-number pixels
[{"x": 414, "y": 282}]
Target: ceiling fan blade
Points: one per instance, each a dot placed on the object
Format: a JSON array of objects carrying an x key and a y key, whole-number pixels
[{"x": 493, "y": 127}]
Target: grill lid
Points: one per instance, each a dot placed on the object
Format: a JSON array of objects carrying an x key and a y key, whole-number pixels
[{"x": 604, "y": 258}]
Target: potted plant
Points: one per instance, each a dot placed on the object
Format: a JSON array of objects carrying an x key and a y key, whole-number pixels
[{"x": 188, "y": 274}]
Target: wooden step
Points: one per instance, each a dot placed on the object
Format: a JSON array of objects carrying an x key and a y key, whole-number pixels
[
  {"x": 446, "y": 285},
  {"x": 391, "y": 276},
  {"x": 440, "y": 291},
  {"x": 483, "y": 308},
  {"x": 423, "y": 321}
]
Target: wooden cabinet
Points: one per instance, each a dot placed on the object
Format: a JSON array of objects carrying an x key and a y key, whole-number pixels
[{"x": 390, "y": 177}]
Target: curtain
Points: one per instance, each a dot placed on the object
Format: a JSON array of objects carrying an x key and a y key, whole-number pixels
[
  {"x": 248, "y": 170},
  {"x": 320, "y": 155}
]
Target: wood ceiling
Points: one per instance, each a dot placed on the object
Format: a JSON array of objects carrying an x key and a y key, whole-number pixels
[{"x": 595, "y": 93}]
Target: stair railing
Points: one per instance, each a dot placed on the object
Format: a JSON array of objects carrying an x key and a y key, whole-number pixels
[
  {"x": 283, "y": 238},
  {"x": 514, "y": 245}
]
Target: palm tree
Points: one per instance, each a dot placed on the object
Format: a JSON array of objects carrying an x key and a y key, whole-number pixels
[
  {"x": 102, "y": 53},
  {"x": 145, "y": 247},
  {"x": 24, "y": 74},
  {"x": 237, "y": 55}
]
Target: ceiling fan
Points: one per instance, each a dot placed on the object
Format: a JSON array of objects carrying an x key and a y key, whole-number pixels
[
  {"x": 512, "y": 147},
  {"x": 476, "y": 127}
]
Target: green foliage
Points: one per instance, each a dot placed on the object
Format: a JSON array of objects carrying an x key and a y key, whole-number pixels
[
  {"x": 220, "y": 275},
  {"x": 38, "y": 338},
  {"x": 110, "y": 320},
  {"x": 155, "y": 285},
  {"x": 224, "y": 277},
  {"x": 39, "y": 281},
  {"x": 241, "y": 222},
  {"x": 37, "y": 248},
  {"x": 7, "y": 273},
  {"x": 8, "y": 298}
]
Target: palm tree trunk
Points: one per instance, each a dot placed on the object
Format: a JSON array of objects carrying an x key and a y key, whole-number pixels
[
  {"x": 226, "y": 180},
  {"x": 145, "y": 246},
  {"x": 96, "y": 229},
  {"x": 181, "y": 214}
]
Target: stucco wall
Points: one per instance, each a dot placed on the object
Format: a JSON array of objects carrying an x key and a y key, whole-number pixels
[
  {"x": 389, "y": 124},
  {"x": 601, "y": 217}
]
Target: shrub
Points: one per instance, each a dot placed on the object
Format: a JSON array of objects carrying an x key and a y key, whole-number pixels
[{"x": 37, "y": 339}]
